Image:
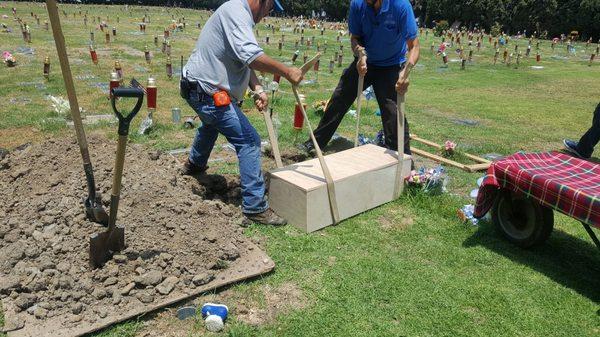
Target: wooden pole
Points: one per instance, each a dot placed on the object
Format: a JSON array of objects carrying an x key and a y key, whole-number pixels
[
  {"x": 361, "y": 84},
  {"x": 272, "y": 137},
  {"x": 438, "y": 146},
  {"x": 326, "y": 173},
  {"x": 400, "y": 99},
  {"x": 61, "y": 49}
]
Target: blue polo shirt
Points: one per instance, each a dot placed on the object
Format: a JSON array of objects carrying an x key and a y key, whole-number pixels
[{"x": 383, "y": 34}]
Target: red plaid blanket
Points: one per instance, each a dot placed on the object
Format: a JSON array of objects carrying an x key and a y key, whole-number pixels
[{"x": 559, "y": 181}]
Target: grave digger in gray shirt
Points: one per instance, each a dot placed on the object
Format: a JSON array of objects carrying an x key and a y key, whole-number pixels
[
  {"x": 217, "y": 73},
  {"x": 227, "y": 51}
]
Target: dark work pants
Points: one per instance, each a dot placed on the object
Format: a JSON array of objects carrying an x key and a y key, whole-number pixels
[
  {"x": 384, "y": 81},
  {"x": 589, "y": 140}
]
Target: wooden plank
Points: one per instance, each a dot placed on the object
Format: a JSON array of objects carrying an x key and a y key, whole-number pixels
[
  {"x": 438, "y": 146},
  {"x": 425, "y": 141},
  {"x": 250, "y": 265},
  {"x": 438, "y": 158},
  {"x": 363, "y": 178},
  {"x": 476, "y": 158},
  {"x": 478, "y": 167}
]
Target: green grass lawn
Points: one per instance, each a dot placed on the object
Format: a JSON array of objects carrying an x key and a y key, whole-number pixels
[{"x": 408, "y": 268}]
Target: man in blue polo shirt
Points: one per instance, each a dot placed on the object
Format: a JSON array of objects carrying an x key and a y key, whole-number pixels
[{"x": 387, "y": 31}]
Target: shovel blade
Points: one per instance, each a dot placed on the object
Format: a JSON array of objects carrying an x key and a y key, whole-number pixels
[{"x": 104, "y": 245}]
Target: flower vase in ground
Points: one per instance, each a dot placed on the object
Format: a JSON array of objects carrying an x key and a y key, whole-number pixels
[{"x": 449, "y": 148}]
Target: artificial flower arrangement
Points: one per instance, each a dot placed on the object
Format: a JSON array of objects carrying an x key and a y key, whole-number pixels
[
  {"x": 320, "y": 107},
  {"x": 432, "y": 181},
  {"x": 9, "y": 59},
  {"x": 449, "y": 148}
]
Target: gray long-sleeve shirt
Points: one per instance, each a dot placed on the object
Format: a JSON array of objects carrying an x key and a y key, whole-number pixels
[{"x": 224, "y": 50}]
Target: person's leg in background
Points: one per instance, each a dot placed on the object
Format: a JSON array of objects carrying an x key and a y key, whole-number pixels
[
  {"x": 342, "y": 98},
  {"x": 590, "y": 139},
  {"x": 585, "y": 147},
  {"x": 384, "y": 85}
]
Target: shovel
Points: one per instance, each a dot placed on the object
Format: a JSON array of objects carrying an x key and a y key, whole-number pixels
[
  {"x": 103, "y": 245},
  {"x": 93, "y": 202}
]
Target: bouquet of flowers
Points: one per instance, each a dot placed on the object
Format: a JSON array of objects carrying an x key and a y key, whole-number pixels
[
  {"x": 432, "y": 181},
  {"x": 449, "y": 148},
  {"x": 320, "y": 107},
  {"x": 9, "y": 59},
  {"x": 61, "y": 106}
]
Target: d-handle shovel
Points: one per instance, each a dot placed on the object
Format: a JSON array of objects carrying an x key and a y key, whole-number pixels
[{"x": 103, "y": 245}]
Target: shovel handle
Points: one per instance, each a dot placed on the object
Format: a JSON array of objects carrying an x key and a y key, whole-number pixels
[
  {"x": 310, "y": 64},
  {"x": 124, "y": 121},
  {"x": 117, "y": 177}
]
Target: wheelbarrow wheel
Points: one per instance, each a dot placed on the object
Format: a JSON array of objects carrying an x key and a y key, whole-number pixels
[{"x": 522, "y": 221}]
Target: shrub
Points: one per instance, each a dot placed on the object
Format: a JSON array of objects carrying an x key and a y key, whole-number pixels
[
  {"x": 496, "y": 29},
  {"x": 440, "y": 27}
]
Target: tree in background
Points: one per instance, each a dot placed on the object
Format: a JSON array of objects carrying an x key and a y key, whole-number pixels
[{"x": 554, "y": 16}]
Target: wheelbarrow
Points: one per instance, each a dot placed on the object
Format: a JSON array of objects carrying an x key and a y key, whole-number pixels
[{"x": 522, "y": 192}]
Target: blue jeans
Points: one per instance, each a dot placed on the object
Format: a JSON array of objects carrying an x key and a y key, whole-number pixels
[{"x": 233, "y": 124}]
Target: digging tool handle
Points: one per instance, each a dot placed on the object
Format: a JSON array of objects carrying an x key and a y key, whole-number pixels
[
  {"x": 117, "y": 175},
  {"x": 399, "y": 184},
  {"x": 273, "y": 137},
  {"x": 61, "y": 49},
  {"x": 361, "y": 84},
  {"x": 335, "y": 215},
  {"x": 310, "y": 64},
  {"x": 125, "y": 120}
]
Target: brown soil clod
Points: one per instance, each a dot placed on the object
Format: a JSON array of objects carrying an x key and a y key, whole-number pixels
[{"x": 174, "y": 234}]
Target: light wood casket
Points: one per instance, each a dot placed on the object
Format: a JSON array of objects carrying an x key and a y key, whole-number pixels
[{"x": 363, "y": 178}]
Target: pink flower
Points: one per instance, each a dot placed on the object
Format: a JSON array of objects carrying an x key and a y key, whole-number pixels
[{"x": 449, "y": 146}]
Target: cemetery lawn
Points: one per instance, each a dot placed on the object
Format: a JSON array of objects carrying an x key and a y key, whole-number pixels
[{"x": 408, "y": 268}]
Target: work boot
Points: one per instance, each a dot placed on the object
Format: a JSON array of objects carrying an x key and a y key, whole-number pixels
[
  {"x": 268, "y": 217},
  {"x": 191, "y": 169}
]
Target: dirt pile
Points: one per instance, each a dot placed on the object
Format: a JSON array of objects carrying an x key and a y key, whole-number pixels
[{"x": 177, "y": 238}]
